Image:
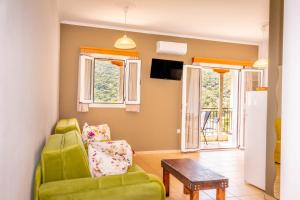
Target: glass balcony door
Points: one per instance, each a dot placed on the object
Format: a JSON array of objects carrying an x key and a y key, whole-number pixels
[{"x": 219, "y": 106}]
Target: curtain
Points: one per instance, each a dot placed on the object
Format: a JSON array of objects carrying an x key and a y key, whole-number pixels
[
  {"x": 132, "y": 82},
  {"x": 132, "y": 88},
  {"x": 82, "y": 107},
  {"x": 132, "y": 108},
  {"x": 193, "y": 117},
  {"x": 87, "y": 81}
]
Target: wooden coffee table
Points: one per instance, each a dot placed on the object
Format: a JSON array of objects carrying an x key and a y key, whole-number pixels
[{"x": 194, "y": 177}]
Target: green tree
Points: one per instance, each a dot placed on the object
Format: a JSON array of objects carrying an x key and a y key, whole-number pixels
[
  {"x": 107, "y": 82},
  {"x": 211, "y": 89}
]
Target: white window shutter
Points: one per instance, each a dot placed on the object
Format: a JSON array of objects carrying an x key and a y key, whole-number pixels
[
  {"x": 86, "y": 68},
  {"x": 133, "y": 82}
]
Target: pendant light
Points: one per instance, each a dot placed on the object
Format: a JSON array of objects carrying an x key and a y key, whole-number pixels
[
  {"x": 262, "y": 61},
  {"x": 125, "y": 42}
]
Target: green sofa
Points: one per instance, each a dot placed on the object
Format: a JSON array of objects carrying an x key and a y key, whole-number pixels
[{"x": 63, "y": 173}]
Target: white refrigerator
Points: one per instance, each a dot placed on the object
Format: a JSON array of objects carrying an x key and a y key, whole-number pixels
[{"x": 255, "y": 138}]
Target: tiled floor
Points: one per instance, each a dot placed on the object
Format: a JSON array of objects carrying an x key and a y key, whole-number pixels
[{"x": 229, "y": 163}]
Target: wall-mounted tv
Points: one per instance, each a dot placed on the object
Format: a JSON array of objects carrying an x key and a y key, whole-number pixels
[{"x": 166, "y": 69}]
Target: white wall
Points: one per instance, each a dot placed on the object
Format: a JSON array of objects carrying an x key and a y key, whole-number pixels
[
  {"x": 29, "y": 70},
  {"x": 290, "y": 148}
]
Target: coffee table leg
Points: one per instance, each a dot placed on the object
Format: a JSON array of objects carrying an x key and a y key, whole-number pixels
[
  {"x": 221, "y": 194},
  {"x": 194, "y": 195},
  {"x": 166, "y": 180}
]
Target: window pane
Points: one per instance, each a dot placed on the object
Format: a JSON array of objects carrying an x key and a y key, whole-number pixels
[
  {"x": 252, "y": 80},
  {"x": 108, "y": 81},
  {"x": 210, "y": 89}
]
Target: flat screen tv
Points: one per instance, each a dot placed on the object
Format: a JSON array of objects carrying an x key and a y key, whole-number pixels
[{"x": 166, "y": 69}]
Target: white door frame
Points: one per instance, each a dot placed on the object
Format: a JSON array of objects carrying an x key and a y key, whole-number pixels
[
  {"x": 184, "y": 98},
  {"x": 235, "y": 109}
]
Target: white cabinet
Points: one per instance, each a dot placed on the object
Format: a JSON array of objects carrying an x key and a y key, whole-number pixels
[{"x": 255, "y": 138}]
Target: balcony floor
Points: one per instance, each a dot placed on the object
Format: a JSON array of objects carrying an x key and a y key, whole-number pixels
[{"x": 219, "y": 144}]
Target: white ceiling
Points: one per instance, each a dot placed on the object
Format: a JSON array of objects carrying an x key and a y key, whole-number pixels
[{"x": 225, "y": 20}]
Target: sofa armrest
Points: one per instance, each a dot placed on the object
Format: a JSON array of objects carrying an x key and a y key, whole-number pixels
[
  {"x": 156, "y": 179},
  {"x": 37, "y": 181},
  {"x": 65, "y": 125}
]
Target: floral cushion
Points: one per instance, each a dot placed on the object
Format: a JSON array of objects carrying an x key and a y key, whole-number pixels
[
  {"x": 95, "y": 133},
  {"x": 109, "y": 158}
]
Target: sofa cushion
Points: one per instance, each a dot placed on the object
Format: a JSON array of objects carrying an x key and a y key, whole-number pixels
[
  {"x": 64, "y": 157},
  {"x": 66, "y": 125},
  {"x": 145, "y": 191},
  {"x": 105, "y": 187},
  {"x": 135, "y": 168}
]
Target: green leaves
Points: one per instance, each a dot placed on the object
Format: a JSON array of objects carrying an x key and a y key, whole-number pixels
[
  {"x": 211, "y": 89},
  {"x": 107, "y": 82}
]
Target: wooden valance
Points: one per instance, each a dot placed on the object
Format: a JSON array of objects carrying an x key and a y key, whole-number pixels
[
  {"x": 118, "y": 63},
  {"x": 223, "y": 61},
  {"x": 109, "y": 51},
  {"x": 221, "y": 70}
]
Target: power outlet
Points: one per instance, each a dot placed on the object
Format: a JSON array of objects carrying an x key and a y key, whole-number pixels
[{"x": 178, "y": 131}]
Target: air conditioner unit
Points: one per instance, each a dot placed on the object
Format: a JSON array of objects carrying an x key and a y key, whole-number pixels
[{"x": 174, "y": 48}]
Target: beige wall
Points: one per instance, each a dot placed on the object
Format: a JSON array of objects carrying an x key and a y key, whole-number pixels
[
  {"x": 274, "y": 91},
  {"x": 154, "y": 128},
  {"x": 29, "y": 54}
]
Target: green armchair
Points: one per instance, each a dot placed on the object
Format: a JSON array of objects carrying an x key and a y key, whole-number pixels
[
  {"x": 278, "y": 141},
  {"x": 63, "y": 173}
]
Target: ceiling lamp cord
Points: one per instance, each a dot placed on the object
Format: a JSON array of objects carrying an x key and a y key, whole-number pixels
[
  {"x": 125, "y": 16},
  {"x": 262, "y": 61},
  {"x": 125, "y": 42}
]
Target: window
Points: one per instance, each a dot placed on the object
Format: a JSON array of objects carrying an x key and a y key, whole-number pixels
[{"x": 109, "y": 82}]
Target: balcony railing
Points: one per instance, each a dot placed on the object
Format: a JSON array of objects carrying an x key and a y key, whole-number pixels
[{"x": 213, "y": 120}]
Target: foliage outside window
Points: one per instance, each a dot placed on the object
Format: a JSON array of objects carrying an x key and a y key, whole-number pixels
[
  {"x": 211, "y": 89},
  {"x": 108, "y": 82}
]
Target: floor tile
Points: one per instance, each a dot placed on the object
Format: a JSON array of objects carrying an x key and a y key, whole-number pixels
[{"x": 229, "y": 163}]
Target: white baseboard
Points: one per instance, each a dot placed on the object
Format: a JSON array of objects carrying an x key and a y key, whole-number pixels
[
  {"x": 157, "y": 151},
  {"x": 178, "y": 151}
]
